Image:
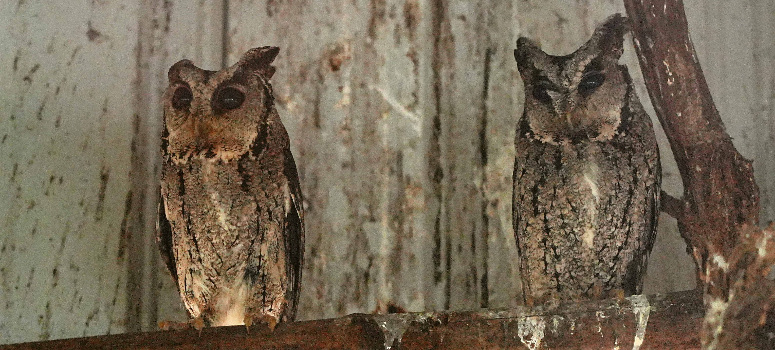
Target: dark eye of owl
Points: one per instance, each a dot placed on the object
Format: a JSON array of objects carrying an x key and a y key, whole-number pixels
[
  {"x": 590, "y": 82},
  {"x": 540, "y": 91},
  {"x": 230, "y": 98},
  {"x": 181, "y": 98}
]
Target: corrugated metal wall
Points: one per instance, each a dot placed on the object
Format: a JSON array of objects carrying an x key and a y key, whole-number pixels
[{"x": 401, "y": 114}]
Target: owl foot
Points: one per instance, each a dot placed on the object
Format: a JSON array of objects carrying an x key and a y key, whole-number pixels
[
  {"x": 617, "y": 294},
  {"x": 173, "y": 325},
  {"x": 196, "y": 323},
  {"x": 269, "y": 320},
  {"x": 597, "y": 292}
]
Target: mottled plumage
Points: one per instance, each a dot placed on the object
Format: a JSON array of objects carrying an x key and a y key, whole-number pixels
[
  {"x": 230, "y": 219},
  {"x": 586, "y": 174}
]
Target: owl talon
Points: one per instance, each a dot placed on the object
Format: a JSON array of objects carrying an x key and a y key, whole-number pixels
[
  {"x": 198, "y": 323},
  {"x": 268, "y": 320},
  {"x": 530, "y": 301},
  {"x": 617, "y": 294},
  {"x": 173, "y": 325},
  {"x": 248, "y": 323}
]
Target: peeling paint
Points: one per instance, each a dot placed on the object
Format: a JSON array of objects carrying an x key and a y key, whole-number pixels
[
  {"x": 414, "y": 118},
  {"x": 531, "y": 331},
  {"x": 641, "y": 308}
]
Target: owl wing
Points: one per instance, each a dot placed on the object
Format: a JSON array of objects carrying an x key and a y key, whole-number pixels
[
  {"x": 294, "y": 235},
  {"x": 655, "y": 199},
  {"x": 164, "y": 240},
  {"x": 523, "y": 133},
  {"x": 516, "y": 213}
]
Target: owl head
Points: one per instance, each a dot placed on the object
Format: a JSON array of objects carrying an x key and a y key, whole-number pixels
[
  {"x": 577, "y": 97},
  {"x": 217, "y": 114}
]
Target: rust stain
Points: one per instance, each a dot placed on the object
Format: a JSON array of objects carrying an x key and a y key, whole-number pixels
[
  {"x": 271, "y": 7},
  {"x": 125, "y": 232},
  {"x": 338, "y": 55},
  {"x": 104, "y": 177},
  {"x": 28, "y": 77},
  {"x": 378, "y": 14},
  {"x": 16, "y": 61},
  {"x": 91, "y": 33},
  {"x": 412, "y": 17}
]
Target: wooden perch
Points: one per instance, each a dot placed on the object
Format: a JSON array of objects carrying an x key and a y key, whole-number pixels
[
  {"x": 669, "y": 321},
  {"x": 719, "y": 211}
]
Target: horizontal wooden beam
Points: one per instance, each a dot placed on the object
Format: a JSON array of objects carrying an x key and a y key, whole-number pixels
[{"x": 662, "y": 321}]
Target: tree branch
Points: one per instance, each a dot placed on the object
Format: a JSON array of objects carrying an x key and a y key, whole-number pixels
[
  {"x": 720, "y": 209},
  {"x": 669, "y": 321},
  {"x": 672, "y": 206}
]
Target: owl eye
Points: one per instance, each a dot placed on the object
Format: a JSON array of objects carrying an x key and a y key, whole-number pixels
[
  {"x": 181, "y": 98},
  {"x": 590, "y": 82},
  {"x": 230, "y": 98}
]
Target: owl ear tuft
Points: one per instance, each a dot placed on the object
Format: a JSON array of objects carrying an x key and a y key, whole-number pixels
[
  {"x": 175, "y": 72},
  {"x": 524, "y": 54},
  {"x": 260, "y": 60},
  {"x": 610, "y": 35}
]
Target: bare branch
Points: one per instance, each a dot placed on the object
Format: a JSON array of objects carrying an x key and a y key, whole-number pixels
[
  {"x": 669, "y": 321},
  {"x": 672, "y": 206},
  {"x": 720, "y": 206}
]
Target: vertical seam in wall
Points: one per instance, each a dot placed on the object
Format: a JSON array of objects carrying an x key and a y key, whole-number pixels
[
  {"x": 142, "y": 279},
  {"x": 135, "y": 252},
  {"x": 760, "y": 111},
  {"x": 436, "y": 171},
  {"x": 485, "y": 295},
  {"x": 225, "y": 34}
]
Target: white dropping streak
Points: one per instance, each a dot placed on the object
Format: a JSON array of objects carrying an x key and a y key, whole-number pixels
[
  {"x": 642, "y": 309},
  {"x": 717, "y": 310},
  {"x": 532, "y": 327}
]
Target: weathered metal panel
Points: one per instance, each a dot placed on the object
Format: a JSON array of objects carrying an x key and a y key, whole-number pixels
[
  {"x": 350, "y": 89},
  {"x": 169, "y": 31},
  {"x": 401, "y": 115},
  {"x": 66, "y": 115}
]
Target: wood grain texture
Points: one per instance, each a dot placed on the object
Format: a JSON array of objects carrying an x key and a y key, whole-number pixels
[{"x": 402, "y": 116}]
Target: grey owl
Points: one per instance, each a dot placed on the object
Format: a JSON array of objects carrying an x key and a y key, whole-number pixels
[
  {"x": 231, "y": 220},
  {"x": 586, "y": 174}
]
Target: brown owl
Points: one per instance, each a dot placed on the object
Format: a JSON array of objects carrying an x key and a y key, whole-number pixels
[
  {"x": 586, "y": 174},
  {"x": 231, "y": 220}
]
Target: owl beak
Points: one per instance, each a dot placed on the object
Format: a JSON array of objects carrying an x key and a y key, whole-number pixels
[
  {"x": 202, "y": 131},
  {"x": 565, "y": 108}
]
